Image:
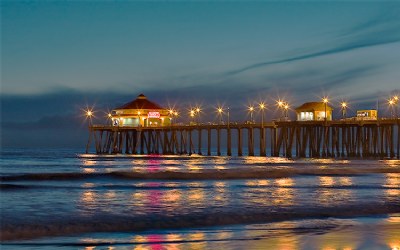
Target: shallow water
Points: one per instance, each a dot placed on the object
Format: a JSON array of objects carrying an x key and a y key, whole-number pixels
[{"x": 61, "y": 198}]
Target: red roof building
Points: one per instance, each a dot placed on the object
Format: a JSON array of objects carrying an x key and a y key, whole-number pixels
[{"x": 140, "y": 112}]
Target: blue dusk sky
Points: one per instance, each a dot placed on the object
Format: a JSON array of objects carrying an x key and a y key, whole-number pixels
[{"x": 59, "y": 56}]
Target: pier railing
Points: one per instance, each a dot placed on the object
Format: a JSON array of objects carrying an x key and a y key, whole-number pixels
[{"x": 340, "y": 138}]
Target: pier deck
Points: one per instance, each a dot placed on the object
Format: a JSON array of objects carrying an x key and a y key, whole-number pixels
[{"x": 339, "y": 138}]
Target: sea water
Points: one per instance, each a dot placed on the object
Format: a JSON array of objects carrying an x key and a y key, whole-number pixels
[{"x": 70, "y": 200}]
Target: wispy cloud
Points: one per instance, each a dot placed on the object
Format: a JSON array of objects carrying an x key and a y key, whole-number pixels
[{"x": 375, "y": 32}]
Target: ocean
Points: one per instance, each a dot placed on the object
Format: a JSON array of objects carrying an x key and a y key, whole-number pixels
[{"x": 65, "y": 199}]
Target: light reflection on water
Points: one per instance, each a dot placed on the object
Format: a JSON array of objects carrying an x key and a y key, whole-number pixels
[
  {"x": 175, "y": 196},
  {"x": 108, "y": 194},
  {"x": 393, "y": 185},
  {"x": 291, "y": 235}
]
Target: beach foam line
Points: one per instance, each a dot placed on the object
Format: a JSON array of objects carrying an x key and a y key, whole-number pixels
[
  {"x": 108, "y": 222},
  {"x": 164, "y": 186},
  {"x": 204, "y": 174}
]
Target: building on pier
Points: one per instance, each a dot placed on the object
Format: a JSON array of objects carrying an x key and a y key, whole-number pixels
[
  {"x": 140, "y": 112},
  {"x": 369, "y": 114},
  {"x": 314, "y": 111}
]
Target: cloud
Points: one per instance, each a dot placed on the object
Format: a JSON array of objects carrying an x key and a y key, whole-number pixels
[
  {"x": 375, "y": 32},
  {"x": 56, "y": 122}
]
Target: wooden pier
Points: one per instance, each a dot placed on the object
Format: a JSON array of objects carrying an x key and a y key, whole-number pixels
[{"x": 314, "y": 139}]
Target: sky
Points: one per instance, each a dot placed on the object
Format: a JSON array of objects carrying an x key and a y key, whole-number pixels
[{"x": 58, "y": 57}]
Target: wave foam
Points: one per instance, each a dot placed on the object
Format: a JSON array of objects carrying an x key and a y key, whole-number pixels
[{"x": 125, "y": 223}]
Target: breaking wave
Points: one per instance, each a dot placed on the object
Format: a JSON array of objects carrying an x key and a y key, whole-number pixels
[
  {"x": 107, "y": 222},
  {"x": 205, "y": 174}
]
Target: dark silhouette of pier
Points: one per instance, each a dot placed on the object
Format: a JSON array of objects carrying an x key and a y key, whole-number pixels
[{"x": 341, "y": 138}]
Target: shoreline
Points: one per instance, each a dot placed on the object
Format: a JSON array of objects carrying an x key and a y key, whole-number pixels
[{"x": 374, "y": 232}]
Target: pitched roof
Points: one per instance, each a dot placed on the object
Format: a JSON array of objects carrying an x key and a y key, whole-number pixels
[
  {"x": 140, "y": 102},
  {"x": 313, "y": 106}
]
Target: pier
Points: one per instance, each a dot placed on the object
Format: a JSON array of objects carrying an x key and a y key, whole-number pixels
[{"x": 314, "y": 139}]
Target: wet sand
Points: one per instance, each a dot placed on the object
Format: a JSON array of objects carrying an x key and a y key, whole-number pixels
[{"x": 352, "y": 233}]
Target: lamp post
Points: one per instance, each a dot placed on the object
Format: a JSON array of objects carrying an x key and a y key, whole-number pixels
[
  {"x": 286, "y": 107},
  {"x": 391, "y": 104},
  {"x": 170, "y": 114},
  {"x": 281, "y": 106},
  {"x": 396, "y": 102},
  {"x": 262, "y": 107},
  {"x": 251, "y": 109},
  {"x": 325, "y": 100},
  {"x": 344, "y": 107},
  {"x": 176, "y": 116},
  {"x": 192, "y": 116},
  {"x": 109, "y": 116},
  {"x": 220, "y": 111},
  {"x": 198, "y": 115},
  {"x": 89, "y": 114},
  {"x": 228, "y": 116}
]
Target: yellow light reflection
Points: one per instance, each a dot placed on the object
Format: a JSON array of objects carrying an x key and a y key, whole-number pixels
[
  {"x": 138, "y": 199},
  {"x": 224, "y": 235},
  {"x": 345, "y": 181},
  {"x": 88, "y": 202},
  {"x": 171, "y": 184},
  {"x": 393, "y": 183},
  {"x": 142, "y": 247},
  {"x": 173, "y": 237},
  {"x": 138, "y": 169},
  {"x": 220, "y": 184},
  {"x": 257, "y": 183},
  {"x": 390, "y": 232},
  {"x": 199, "y": 236},
  {"x": 284, "y": 182},
  {"x": 172, "y": 196},
  {"x": 196, "y": 184},
  {"x": 88, "y": 170},
  {"x": 283, "y": 194},
  {"x": 326, "y": 181},
  {"x": 343, "y": 239},
  {"x": 196, "y": 196},
  {"x": 394, "y": 219},
  {"x": 88, "y": 185},
  {"x": 284, "y": 241},
  {"x": 220, "y": 160},
  {"x": 221, "y": 195},
  {"x": 171, "y": 168},
  {"x": 89, "y": 163},
  {"x": 88, "y": 197},
  {"x": 194, "y": 168},
  {"x": 110, "y": 194},
  {"x": 139, "y": 239},
  {"x": 393, "y": 180},
  {"x": 196, "y": 236},
  {"x": 263, "y": 182},
  {"x": 327, "y": 195},
  {"x": 392, "y": 163},
  {"x": 220, "y": 167}
]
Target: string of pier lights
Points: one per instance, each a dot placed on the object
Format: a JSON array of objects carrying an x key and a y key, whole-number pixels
[
  {"x": 284, "y": 106},
  {"x": 392, "y": 102}
]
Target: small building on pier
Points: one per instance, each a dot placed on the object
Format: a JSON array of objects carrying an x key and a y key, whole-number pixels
[
  {"x": 314, "y": 111},
  {"x": 368, "y": 114},
  {"x": 140, "y": 112}
]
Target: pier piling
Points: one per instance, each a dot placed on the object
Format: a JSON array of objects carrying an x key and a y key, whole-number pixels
[{"x": 359, "y": 139}]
